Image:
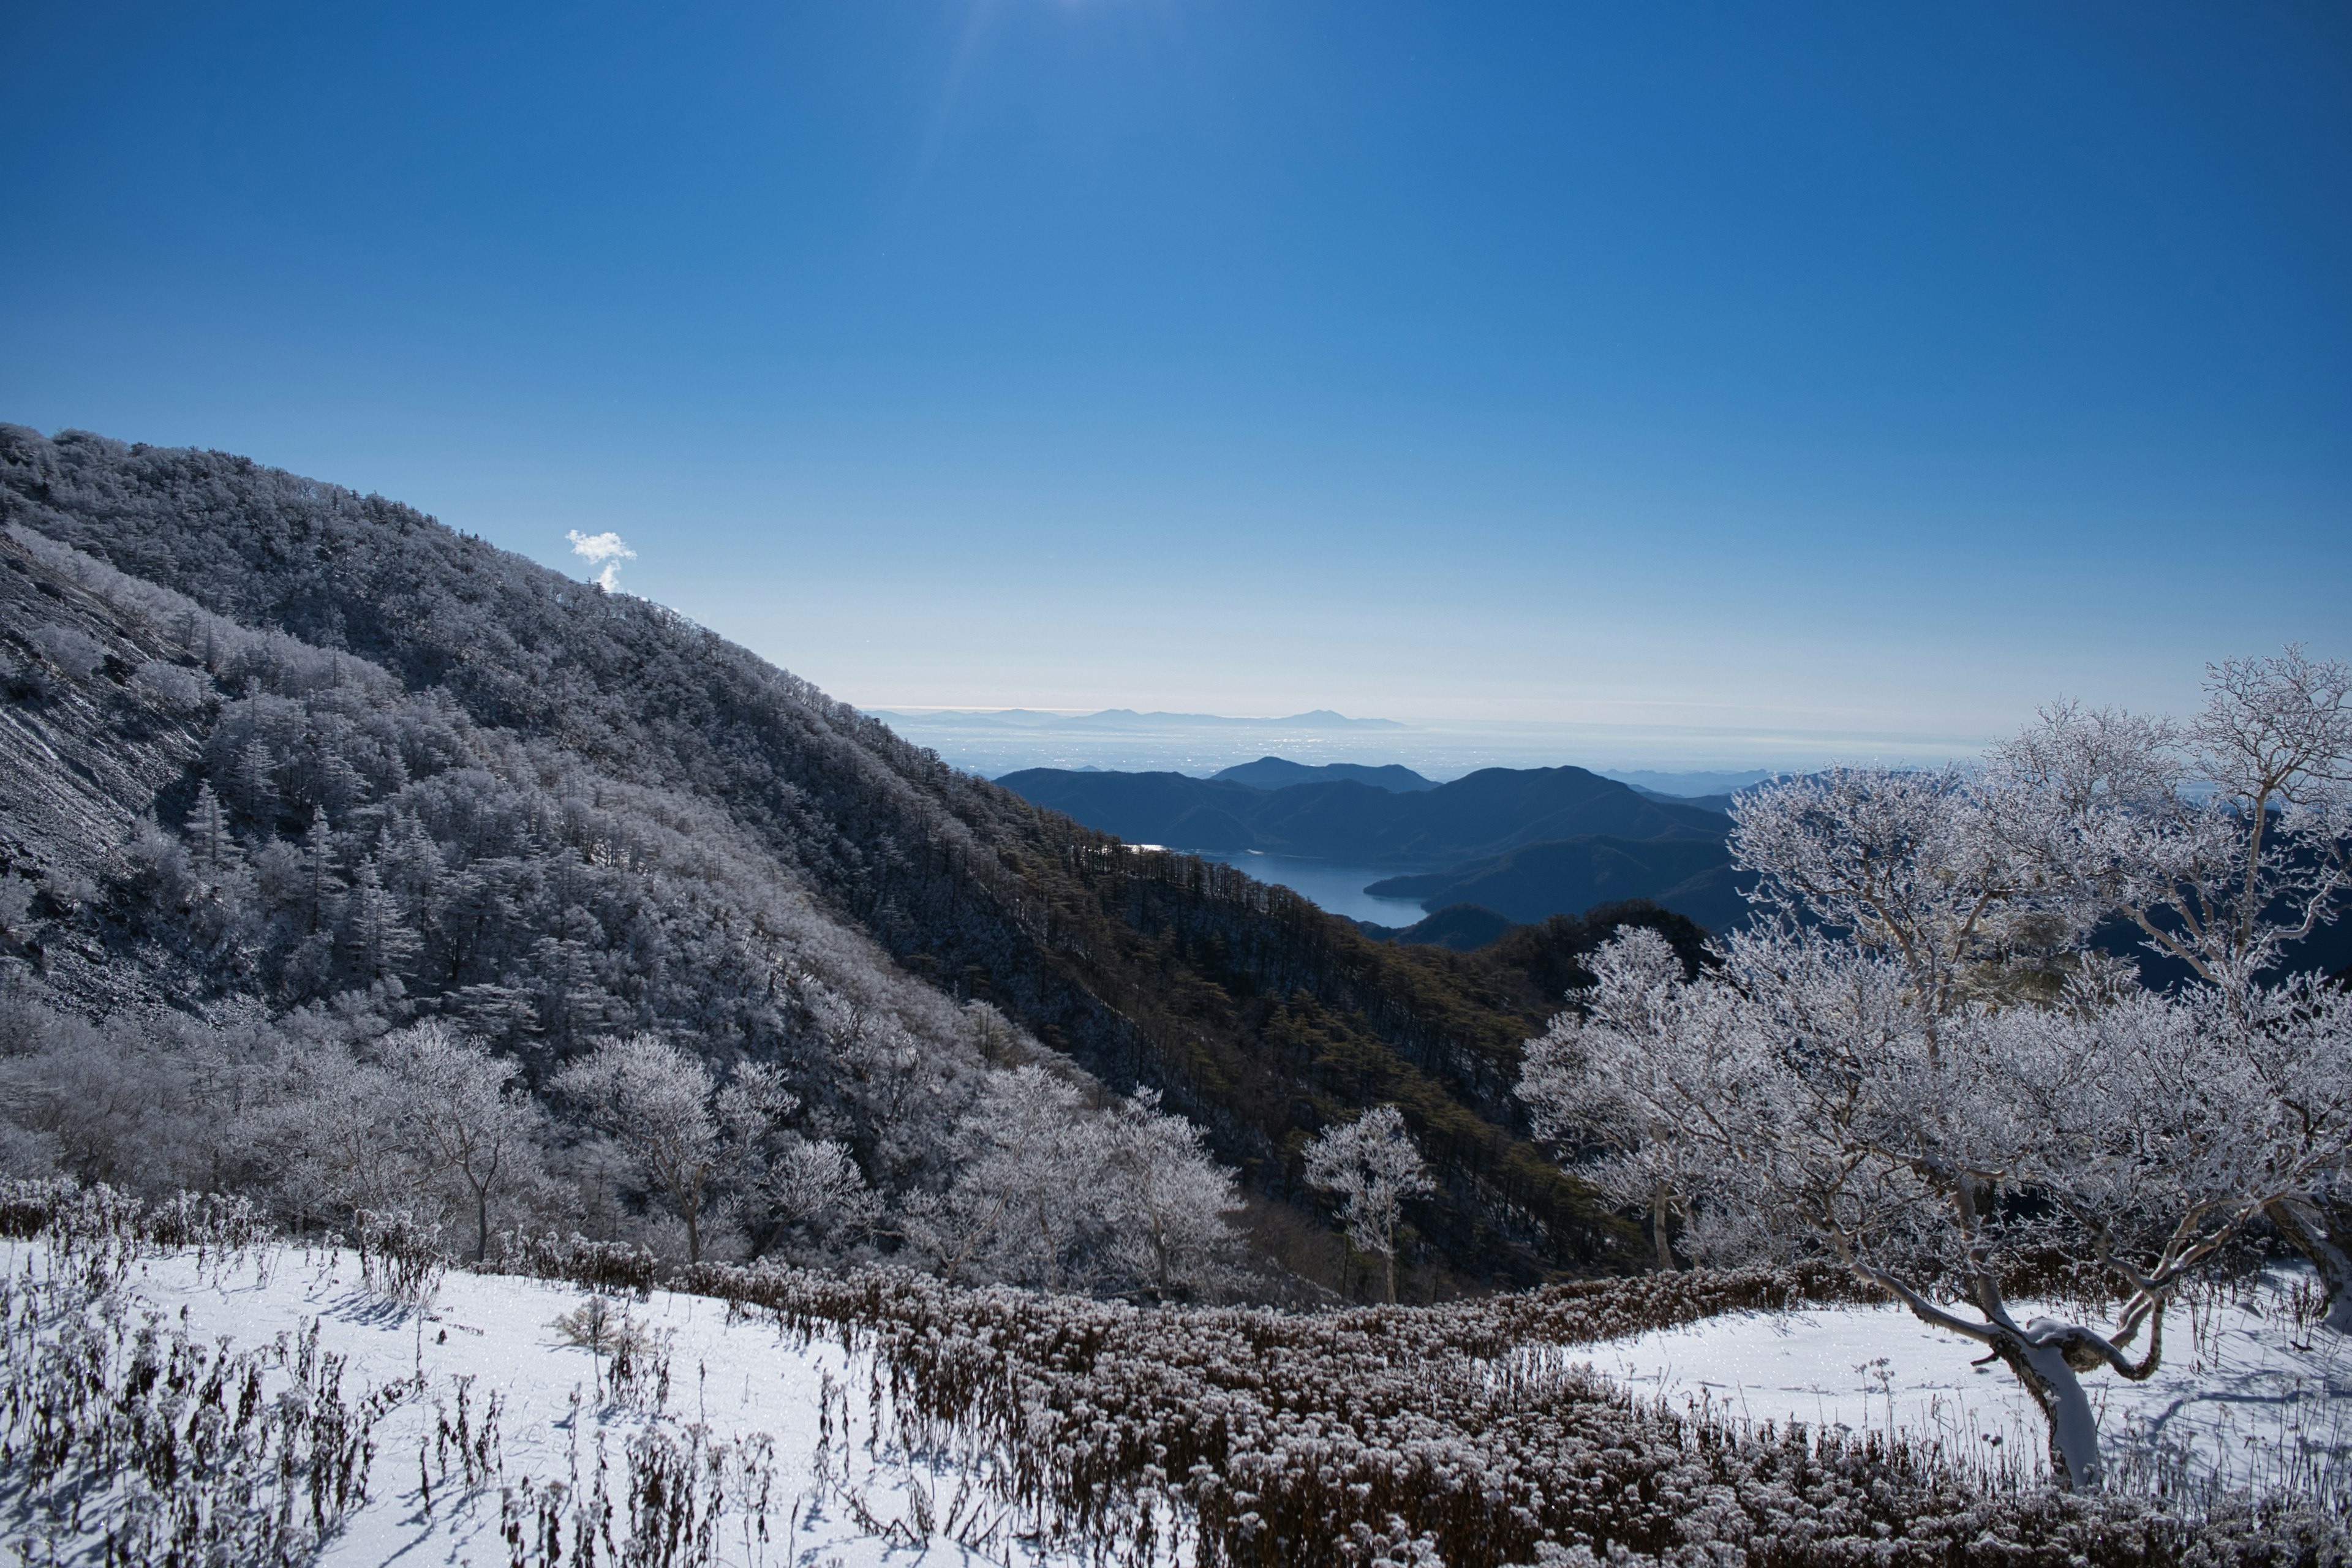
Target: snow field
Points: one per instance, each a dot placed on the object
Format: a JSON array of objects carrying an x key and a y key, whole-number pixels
[
  {"x": 792, "y": 1435},
  {"x": 794, "y": 1445},
  {"x": 2246, "y": 1396}
]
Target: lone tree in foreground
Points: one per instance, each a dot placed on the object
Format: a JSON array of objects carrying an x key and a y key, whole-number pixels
[
  {"x": 1915, "y": 1063},
  {"x": 1373, "y": 1166}
]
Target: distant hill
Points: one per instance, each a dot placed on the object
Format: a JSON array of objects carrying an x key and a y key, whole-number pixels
[
  {"x": 1280, "y": 773},
  {"x": 1487, "y": 813},
  {"x": 1692, "y": 786},
  {"x": 1692, "y": 878},
  {"x": 1705, "y": 801},
  {"x": 1464, "y": 928}
]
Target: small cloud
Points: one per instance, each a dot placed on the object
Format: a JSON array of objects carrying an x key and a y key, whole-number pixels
[{"x": 606, "y": 548}]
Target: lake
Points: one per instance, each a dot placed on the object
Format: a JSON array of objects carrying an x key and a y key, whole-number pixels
[{"x": 1337, "y": 888}]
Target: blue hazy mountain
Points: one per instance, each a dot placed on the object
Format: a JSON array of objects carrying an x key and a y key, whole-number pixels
[
  {"x": 1705, "y": 801},
  {"x": 1280, "y": 773},
  {"x": 1692, "y": 785},
  {"x": 1484, "y": 813}
]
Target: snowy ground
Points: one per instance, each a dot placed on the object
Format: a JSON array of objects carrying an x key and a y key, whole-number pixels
[
  {"x": 837, "y": 1496},
  {"x": 2243, "y": 1396}
]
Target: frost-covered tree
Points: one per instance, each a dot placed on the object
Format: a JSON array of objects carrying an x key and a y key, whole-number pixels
[
  {"x": 784, "y": 1183},
  {"x": 1052, "y": 1193},
  {"x": 653, "y": 1101},
  {"x": 1915, "y": 865},
  {"x": 1024, "y": 1198},
  {"x": 2223, "y": 842},
  {"x": 1808, "y": 1099},
  {"x": 345, "y": 1157},
  {"x": 1638, "y": 989},
  {"x": 1916, "y": 1063},
  {"x": 812, "y": 1189},
  {"x": 1373, "y": 1167},
  {"x": 1170, "y": 1201},
  {"x": 212, "y": 849},
  {"x": 468, "y": 1114}
]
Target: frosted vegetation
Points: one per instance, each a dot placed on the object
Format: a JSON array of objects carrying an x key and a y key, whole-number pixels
[
  {"x": 454, "y": 963},
  {"x": 834, "y": 1107},
  {"x": 759, "y": 1413},
  {"x": 1923, "y": 1068}
]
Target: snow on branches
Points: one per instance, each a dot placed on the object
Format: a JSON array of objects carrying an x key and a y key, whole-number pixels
[
  {"x": 1373, "y": 1167},
  {"x": 1915, "y": 1063}
]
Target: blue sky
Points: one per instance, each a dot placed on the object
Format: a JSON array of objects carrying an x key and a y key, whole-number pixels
[{"x": 1856, "y": 368}]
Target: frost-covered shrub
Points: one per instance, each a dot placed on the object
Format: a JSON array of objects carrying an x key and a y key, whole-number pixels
[
  {"x": 576, "y": 1260},
  {"x": 70, "y": 648},
  {"x": 169, "y": 1450},
  {"x": 175, "y": 684},
  {"x": 1425, "y": 1435}
]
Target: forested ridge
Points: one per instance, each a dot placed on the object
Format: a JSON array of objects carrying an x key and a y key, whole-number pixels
[{"x": 376, "y": 774}]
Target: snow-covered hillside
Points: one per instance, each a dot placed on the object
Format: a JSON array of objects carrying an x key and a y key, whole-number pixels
[
  {"x": 2246, "y": 1396},
  {"x": 776, "y": 1450}
]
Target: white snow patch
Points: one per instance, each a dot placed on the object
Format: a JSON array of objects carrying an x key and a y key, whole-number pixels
[
  {"x": 741, "y": 1380},
  {"x": 2243, "y": 1397}
]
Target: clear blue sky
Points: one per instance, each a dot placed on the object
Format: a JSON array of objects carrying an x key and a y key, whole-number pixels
[{"x": 1844, "y": 366}]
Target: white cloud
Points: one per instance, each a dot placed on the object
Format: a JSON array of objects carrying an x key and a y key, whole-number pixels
[{"x": 606, "y": 548}]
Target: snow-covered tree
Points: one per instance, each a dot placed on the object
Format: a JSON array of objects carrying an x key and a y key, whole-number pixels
[
  {"x": 2223, "y": 842},
  {"x": 1053, "y": 1193},
  {"x": 1863, "y": 1074},
  {"x": 653, "y": 1101},
  {"x": 1373, "y": 1167},
  {"x": 784, "y": 1183},
  {"x": 1023, "y": 1199},
  {"x": 1915, "y": 865},
  {"x": 1806, "y": 1097},
  {"x": 344, "y": 1153},
  {"x": 466, "y": 1113},
  {"x": 1639, "y": 991},
  {"x": 1169, "y": 1200}
]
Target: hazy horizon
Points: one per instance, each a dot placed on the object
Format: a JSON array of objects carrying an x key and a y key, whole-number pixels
[{"x": 1439, "y": 748}]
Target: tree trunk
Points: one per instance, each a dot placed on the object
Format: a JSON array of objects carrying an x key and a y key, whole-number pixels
[
  {"x": 1658, "y": 1207},
  {"x": 2074, "y": 1426},
  {"x": 1389, "y": 1258},
  {"x": 481, "y": 1223},
  {"x": 2320, "y": 1231}
]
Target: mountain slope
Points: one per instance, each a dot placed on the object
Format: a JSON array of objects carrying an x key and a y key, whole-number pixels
[
  {"x": 1485, "y": 813},
  {"x": 1259, "y": 1017}
]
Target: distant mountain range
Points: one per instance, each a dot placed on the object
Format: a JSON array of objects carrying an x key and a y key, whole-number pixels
[
  {"x": 1523, "y": 843},
  {"x": 1486, "y": 813},
  {"x": 1280, "y": 773},
  {"x": 1127, "y": 719}
]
